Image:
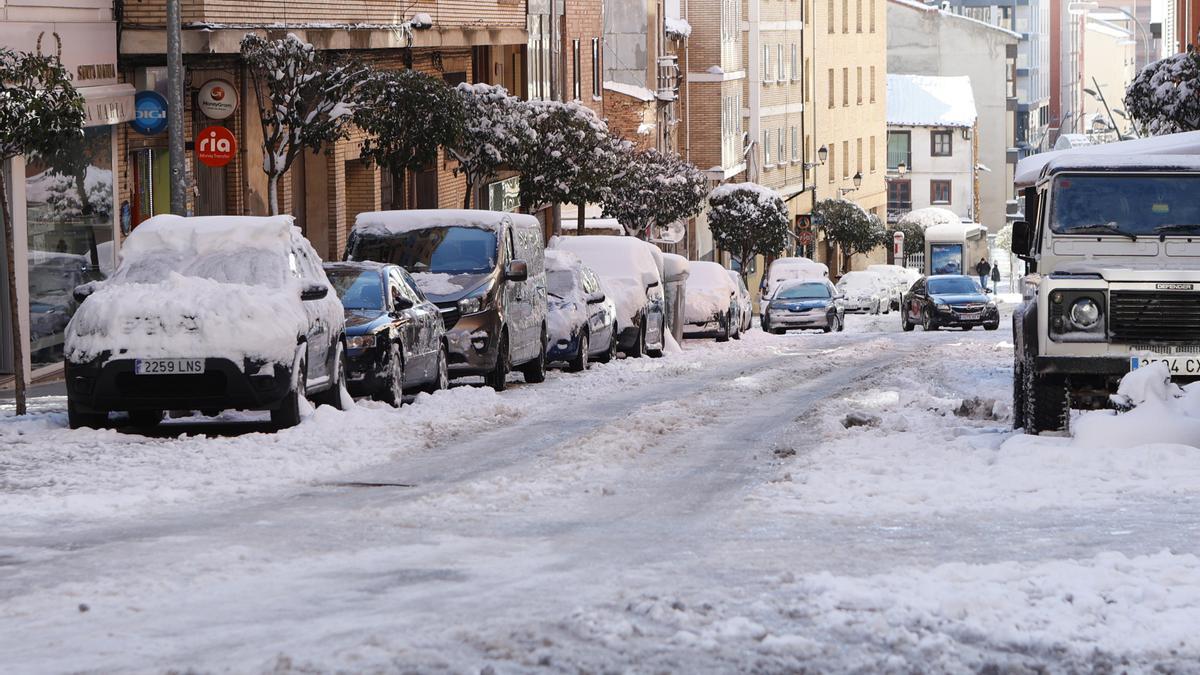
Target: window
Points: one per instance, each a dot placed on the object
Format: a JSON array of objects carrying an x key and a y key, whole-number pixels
[
  {"x": 807, "y": 80},
  {"x": 597, "y": 78},
  {"x": 845, "y": 159},
  {"x": 781, "y": 65},
  {"x": 899, "y": 199},
  {"x": 858, "y": 15},
  {"x": 766, "y": 143},
  {"x": 872, "y": 154},
  {"x": 832, "y": 88},
  {"x": 873, "y": 3},
  {"x": 766, "y": 63},
  {"x": 939, "y": 192},
  {"x": 899, "y": 150},
  {"x": 872, "y": 84},
  {"x": 845, "y": 16},
  {"x": 941, "y": 143},
  {"x": 795, "y": 62},
  {"x": 832, "y": 164},
  {"x": 795, "y": 143},
  {"x": 858, "y": 73},
  {"x": 576, "y": 69},
  {"x": 831, "y": 17},
  {"x": 782, "y": 144},
  {"x": 858, "y": 149},
  {"x": 845, "y": 87}
]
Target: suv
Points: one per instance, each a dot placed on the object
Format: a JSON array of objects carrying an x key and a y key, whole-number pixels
[
  {"x": 210, "y": 314},
  {"x": 1113, "y": 251}
]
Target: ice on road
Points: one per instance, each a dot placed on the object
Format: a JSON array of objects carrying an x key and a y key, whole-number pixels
[{"x": 829, "y": 503}]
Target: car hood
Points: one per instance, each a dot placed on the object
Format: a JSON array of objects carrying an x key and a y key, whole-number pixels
[
  {"x": 364, "y": 321},
  {"x": 440, "y": 287},
  {"x": 962, "y": 298}
]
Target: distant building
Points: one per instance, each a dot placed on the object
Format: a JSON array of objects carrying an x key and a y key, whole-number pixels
[{"x": 1108, "y": 69}]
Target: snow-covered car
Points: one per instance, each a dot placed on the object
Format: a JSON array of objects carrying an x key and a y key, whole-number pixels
[
  {"x": 395, "y": 338},
  {"x": 208, "y": 313},
  {"x": 711, "y": 307},
  {"x": 582, "y": 319},
  {"x": 745, "y": 303},
  {"x": 864, "y": 292},
  {"x": 485, "y": 272},
  {"x": 632, "y": 277},
  {"x": 948, "y": 300},
  {"x": 804, "y": 304},
  {"x": 900, "y": 279},
  {"x": 786, "y": 269}
]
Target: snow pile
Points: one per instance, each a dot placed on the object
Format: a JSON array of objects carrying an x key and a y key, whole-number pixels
[
  {"x": 709, "y": 292},
  {"x": 1164, "y": 413},
  {"x": 678, "y": 29},
  {"x": 926, "y": 100},
  {"x": 627, "y": 266},
  {"x": 401, "y": 222},
  {"x": 928, "y": 217}
]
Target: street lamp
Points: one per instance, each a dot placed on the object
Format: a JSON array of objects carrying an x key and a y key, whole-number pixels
[
  {"x": 857, "y": 180},
  {"x": 822, "y": 155}
]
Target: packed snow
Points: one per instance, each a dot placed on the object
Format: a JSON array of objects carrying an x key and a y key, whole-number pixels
[{"x": 708, "y": 293}]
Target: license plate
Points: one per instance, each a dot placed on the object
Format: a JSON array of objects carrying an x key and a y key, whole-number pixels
[
  {"x": 1177, "y": 365},
  {"x": 970, "y": 315},
  {"x": 168, "y": 366}
]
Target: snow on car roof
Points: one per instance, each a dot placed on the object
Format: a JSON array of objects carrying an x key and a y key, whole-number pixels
[
  {"x": 398, "y": 222},
  {"x": 562, "y": 261},
  {"x": 704, "y": 274},
  {"x": 199, "y": 235},
  {"x": 1182, "y": 147},
  {"x": 612, "y": 256}
]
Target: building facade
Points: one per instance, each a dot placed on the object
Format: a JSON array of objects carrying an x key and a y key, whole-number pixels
[{"x": 1108, "y": 70}]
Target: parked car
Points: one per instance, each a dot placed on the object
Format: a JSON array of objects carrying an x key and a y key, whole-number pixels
[
  {"x": 900, "y": 280},
  {"x": 946, "y": 300},
  {"x": 786, "y": 269},
  {"x": 745, "y": 303},
  {"x": 582, "y": 319},
  {"x": 211, "y": 313},
  {"x": 395, "y": 338},
  {"x": 864, "y": 292},
  {"x": 485, "y": 272},
  {"x": 711, "y": 307},
  {"x": 632, "y": 277},
  {"x": 804, "y": 304}
]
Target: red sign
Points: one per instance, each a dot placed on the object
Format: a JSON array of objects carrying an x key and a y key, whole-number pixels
[
  {"x": 805, "y": 237},
  {"x": 215, "y": 146}
]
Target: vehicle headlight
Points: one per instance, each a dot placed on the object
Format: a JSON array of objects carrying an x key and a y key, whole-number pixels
[
  {"x": 470, "y": 305},
  {"x": 942, "y": 307},
  {"x": 360, "y": 342},
  {"x": 1085, "y": 313}
]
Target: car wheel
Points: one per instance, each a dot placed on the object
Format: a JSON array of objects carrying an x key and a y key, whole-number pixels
[
  {"x": 639, "y": 344},
  {"x": 611, "y": 353},
  {"x": 1046, "y": 399},
  {"x": 830, "y": 323},
  {"x": 535, "y": 370},
  {"x": 841, "y": 323},
  {"x": 497, "y": 378},
  {"x": 778, "y": 331},
  {"x": 580, "y": 362},
  {"x": 442, "y": 380},
  {"x": 333, "y": 395},
  {"x": 927, "y": 321},
  {"x": 393, "y": 392},
  {"x": 145, "y": 418},
  {"x": 905, "y": 324},
  {"x": 991, "y": 326},
  {"x": 1018, "y": 395},
  {"x": 77, "y": 419},
  {"x": 287, "y": 414},
  {"x": 662, "y": 340},
  {"x": 724, "y": 336}
]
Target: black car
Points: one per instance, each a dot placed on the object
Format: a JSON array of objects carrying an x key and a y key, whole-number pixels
[
  {"x": 395, "y": 338},
  {"x": 946, "y": 300}
]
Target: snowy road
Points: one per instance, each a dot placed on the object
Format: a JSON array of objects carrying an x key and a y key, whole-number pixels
[{"x": 704, "y": 512}]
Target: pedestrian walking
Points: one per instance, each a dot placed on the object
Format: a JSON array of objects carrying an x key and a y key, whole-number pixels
[
  {"x": 995, "y": 277},
  {"x": 982, "y": 268}
]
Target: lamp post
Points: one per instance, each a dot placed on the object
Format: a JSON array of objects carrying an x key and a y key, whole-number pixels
[{"x": 857, "y": 180}]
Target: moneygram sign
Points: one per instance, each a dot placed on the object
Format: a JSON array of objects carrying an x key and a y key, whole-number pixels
[
  {"x": 150, "y": 113},
  {"x": 217, "y": 99}
]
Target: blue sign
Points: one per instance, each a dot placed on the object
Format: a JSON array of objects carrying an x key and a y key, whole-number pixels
[{"x": 150, "y": 113}]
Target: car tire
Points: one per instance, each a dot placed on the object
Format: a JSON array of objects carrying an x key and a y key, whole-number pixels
[
  {"x": 287, "y": 414},
  {"x": 725, "y": 334},
  {"x": 497, "y": 378},
  {"x": 1046, "y": 401},
  {"x": 830, "y": 324},
  {"x": 737, "y": 331},
  {"x": 77, "y": 419},
  {"x": 778, "y": 331},
  {"x": 145, "y": 418},
  {"x": 1018, "y": 395},
  {"x": 393, "y": 393},
  {"x": 905, "y": 324},
  {"x": 639, "y": 343},
  {"x": 580, "y": 362},
  {"x": 991, "y": 326},
  {"x": 611, "y": 354},
  {"x": 928, "y": 323},
  {"x": 441, "y": 380},
  {"x": 535, "y": 370},
  {"x": 333, "y": 395},
  {"x": 841, "y": 323}
]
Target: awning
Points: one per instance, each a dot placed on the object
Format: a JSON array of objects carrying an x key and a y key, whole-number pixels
[{"x": 107, "y": 104}]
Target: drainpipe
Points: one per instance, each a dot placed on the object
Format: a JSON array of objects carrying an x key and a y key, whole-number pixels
[{"x": 754, "y": 50}]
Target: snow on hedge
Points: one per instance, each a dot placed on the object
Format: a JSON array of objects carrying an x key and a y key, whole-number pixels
[
  {"x": 626, "y": 265},
  {"x": 708, "y": 293},
  {"x": 1164, "y": 97}
]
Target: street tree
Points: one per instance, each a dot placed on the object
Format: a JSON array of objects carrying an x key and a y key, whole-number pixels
[
  {"x": 496, "y": 132},
  {"x": 408, "y": 116},
  {"x": 40, "y": 113},
  {"x": 747, "y": 219},
  {"x": 305, "y": 100},
  {"x": 914, "y": 236},
  {"x": 1164, "y": 97},
  {"x": 652, "y": 188},
  {"x": 848, "y": 226}
]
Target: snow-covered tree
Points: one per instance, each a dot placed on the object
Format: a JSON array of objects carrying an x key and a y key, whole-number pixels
[
  {"x": 848, "y": 226},
  {"x": 408, "y": 115},
  {"x": 914, "y": 236},
  {"x": 305, "y": 100},
  {"x": 40, "y": 113},
  {"x": 496, "y": 133},
  {"x": 747, "y": 219},
  {"x": 574, "y": 159},
  {"x": 1164, "y": 97},
  {"x": 653, "y": 189}
]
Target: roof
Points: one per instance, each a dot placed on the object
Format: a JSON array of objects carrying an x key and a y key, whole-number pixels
[
  {"x": 1112, "y": 154},
  {"x": 929, "y": 101},
  {"x": 630, "y": 90},
  {"x": 931, "y": 9},
  {"x": 952, "y": 231}
]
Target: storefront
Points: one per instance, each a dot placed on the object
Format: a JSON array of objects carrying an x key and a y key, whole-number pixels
[{"x": 66, "y": 217}]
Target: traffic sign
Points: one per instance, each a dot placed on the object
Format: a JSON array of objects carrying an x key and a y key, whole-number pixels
[{"x": 216, "y": 146}]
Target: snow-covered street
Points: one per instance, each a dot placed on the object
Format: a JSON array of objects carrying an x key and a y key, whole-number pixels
[{"x": 714, "y": 510}]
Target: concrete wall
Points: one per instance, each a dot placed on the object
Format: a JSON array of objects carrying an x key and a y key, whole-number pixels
[
  {"x": 625, "y": 41},
  {"x": 1111, "y": 63}
]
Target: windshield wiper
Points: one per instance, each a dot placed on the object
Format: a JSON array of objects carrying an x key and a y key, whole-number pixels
[
  {"x": 1095, "y": 228},
  {"x": 555, "y": 295},
  {"x": 1177, "y": 227}
]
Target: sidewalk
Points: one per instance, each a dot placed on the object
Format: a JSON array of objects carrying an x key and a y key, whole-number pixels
[{"x": 58, "y": 388}]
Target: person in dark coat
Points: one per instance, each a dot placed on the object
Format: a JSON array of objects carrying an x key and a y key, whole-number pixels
[
  {"x": 995, "y": 277},
  {"x": 982, "y": 268}
]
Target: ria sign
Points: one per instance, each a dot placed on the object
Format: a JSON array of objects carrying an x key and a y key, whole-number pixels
[
  {"x": 150, "y": 113},
  {"x": 215, "y": 146}
]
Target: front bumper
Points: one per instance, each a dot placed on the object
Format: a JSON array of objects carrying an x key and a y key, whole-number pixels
[
  {"x": 473, "y": 343},
  {"x": 367, "y": 369},
  {"x": 816, "y": 318},
  {"x": 704, "y": 329},
  {"x": 105, "y": 386},
  {"x": 988, "y": 317},
  {"x": 562, "y": 348}
]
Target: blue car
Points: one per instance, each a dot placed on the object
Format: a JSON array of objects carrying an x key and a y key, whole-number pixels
[
  {"x": 813, "y": 303},
  {"x": 581, "y": 320},
  {"x": 395, "y": 338}
]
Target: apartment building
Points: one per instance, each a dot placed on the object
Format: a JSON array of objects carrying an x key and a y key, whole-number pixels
[
  {"x": 1108, "y": 70},
  {"x": 1067, "y": 42}
]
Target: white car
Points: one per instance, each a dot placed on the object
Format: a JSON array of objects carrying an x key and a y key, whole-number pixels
[
  {"x": 865, "y": 292},
  {"x": 744, "y": 302},
  {"x": 711, "y": 307},
  {"x": 900, "y": 280}
]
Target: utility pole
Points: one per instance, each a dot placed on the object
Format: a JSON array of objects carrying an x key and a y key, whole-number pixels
[{"x": 175, "y": 111}]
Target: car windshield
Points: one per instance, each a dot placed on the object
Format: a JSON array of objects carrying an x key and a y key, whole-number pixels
[
  {"x": 560, "y": 283},
  {"x": 250, "y": 267},
  {"x": 954, "y": 286},
  {"x": 437, "y": 250},
  {"x": 358, "y": 289},
  {"x": 1126, "y": 205},
  {"x": 804, "y": 292}
]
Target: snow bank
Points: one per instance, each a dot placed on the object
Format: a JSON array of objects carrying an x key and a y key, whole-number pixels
[
  {"x": 928, "y": 217},
  {"x": 399, "y": 222},
  {"x": 1164, "y": 413},
  {"x": 627, "y": 266},
  {"x": 708, "y": 293}
]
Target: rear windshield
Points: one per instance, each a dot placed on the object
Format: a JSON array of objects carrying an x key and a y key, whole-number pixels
[
  {"x": 438, "y": 250},
  {"x": 560, "y": 283},
  {"x": 954, "y": 286},
  {"x": 358, "y": 289},
  {"x": 804, "y": 292},
  {"x": 1126, "y": 204}
]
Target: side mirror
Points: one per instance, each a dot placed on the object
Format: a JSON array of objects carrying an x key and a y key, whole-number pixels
[
  {"x": 83, "y": 291},
  {"x": 516, "y": 270},
  {"x": 1020, "y": 238},
  {"x": 314, "y": 292},
  {"x": 595, "y": 297},
  {"x": 401, "y": 303}
]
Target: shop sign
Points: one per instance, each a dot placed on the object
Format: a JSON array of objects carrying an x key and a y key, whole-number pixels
[
  {"x": 215, "y": 146},
  {"x": 504, "y": 195},
  {"x": 217, "y": 99},
  {"x": 149, "y": 113}
]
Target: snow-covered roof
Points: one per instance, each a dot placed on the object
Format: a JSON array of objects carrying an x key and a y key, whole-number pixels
[
  {"x": 205, "y": 234},
  {"x": 1071, "y": 141},
  {"x": 929, "y": 216},
  {"x": 631, "y": 90},
  {"x": 396, "y": 222},
  {"x": 1111, "y": 154},
  {"x": 926, "y": 100},
  {"x": 677, "y": 28},
  {"x": 953, "y": 231}
]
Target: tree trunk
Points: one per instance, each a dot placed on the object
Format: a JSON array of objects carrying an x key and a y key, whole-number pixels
[
  {"x": 18, "y": 346},
  {"x": 273, "y": 194},
  {"x": 472, "y": 189},
  {"x": 580, "y": 219}
]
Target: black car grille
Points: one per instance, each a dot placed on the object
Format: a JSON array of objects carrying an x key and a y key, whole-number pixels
[
  {"x": 212, "y": 383},
  {"x": 970, "y": 307},
  {"x": 450, "y": 313},
  {"x": 1149, "y": 316}
]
